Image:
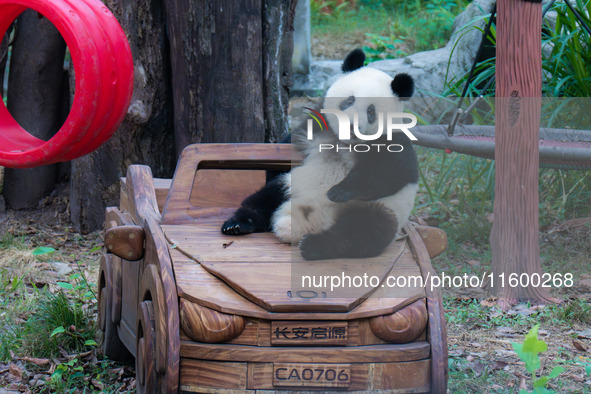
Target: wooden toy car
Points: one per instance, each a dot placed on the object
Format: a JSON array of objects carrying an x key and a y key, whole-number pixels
[{"x": 205, "y": 312}]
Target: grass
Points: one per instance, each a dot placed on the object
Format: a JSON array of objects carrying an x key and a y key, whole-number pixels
[
  {"x": 48, "y": 323},
  {"x": 566, "y": 69},
  {"x": 482, "y": 358},
  {"x": 386, "y": 29},
  {"x": 567, "y": 66},
  {"x": 456, "y": 193}
]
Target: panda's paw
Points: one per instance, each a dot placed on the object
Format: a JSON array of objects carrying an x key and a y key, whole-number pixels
[
  {"x": 314, "y": 247},
  {"x": 339, "y": 194},
  {"x": 235, "y": 227}
]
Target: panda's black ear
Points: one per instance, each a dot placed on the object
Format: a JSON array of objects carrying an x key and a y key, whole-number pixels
[
  {"x": 353, "y": 61},
  {"x": 403, "y": 86}
]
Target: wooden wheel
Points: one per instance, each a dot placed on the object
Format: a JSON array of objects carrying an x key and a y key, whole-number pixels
[
  {"x": 437, "y": 334},
  {"x": 113, "y": 348},
  {"x": 147, "y": 379}
]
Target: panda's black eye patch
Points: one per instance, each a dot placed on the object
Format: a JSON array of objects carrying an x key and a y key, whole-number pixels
[
  {"x": 346, "y": 103},
  {"x": 371, "y": 114}
]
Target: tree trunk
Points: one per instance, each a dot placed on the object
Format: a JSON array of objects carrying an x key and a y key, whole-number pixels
[
  {"x": 146, "y": 136},
  {"x": 514, "y": 237},
  {"x": 34, "y": 100},
  {"x": 227, "y": 73},
  {"x": 231, "y": 65}
]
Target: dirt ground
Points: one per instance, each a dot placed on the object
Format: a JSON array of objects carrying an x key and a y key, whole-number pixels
[
  {"x": 50, "y": 226},
  {"x": 479, "y": 343}
]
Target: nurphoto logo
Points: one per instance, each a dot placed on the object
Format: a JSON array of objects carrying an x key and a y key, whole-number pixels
[{"x": 394, "y": 122}]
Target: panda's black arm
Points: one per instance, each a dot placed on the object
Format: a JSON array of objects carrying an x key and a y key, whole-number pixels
[
  {"x": 255, "y": 212},
  {"x": 376, "y": 175}
]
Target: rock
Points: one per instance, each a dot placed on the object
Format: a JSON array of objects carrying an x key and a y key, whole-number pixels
[
  {"x": 316, "y": 82},
  {"x": 2, "y": 205},
  {"x": 62, "y": 269}
]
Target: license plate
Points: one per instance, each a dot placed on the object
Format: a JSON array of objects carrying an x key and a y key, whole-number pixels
[{"x": 311, "y": 375}]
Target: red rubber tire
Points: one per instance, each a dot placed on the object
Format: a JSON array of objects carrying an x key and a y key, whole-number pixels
[{"x": 104, "y": 81}]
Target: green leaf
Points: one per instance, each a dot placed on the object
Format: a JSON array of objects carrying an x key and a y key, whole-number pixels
[
  {"x": 529, "y": 350},
  {"x": 90, "y": 342},
  {"x": 57, "y": 375},
  {"x": 555, "y": 372},
  {"x": 43, "y": 250},
  {"x": 95, "y": 249},
  {"x": 542, "y": 390},
  {"x": 541, "y": 382},
  {"x": 57, "y": 330},
  {"x": 65, "y": 285}
]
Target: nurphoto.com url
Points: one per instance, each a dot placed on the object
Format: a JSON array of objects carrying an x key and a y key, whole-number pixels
[{"x": 344, "y": 281}]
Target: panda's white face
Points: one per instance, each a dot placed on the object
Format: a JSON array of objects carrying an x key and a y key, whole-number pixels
[{"x": 365, "y": 93}]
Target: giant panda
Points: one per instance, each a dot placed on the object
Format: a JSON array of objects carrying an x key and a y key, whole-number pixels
[{"x": 341, "y": 204}]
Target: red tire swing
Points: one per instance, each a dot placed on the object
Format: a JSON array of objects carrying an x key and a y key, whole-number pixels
[{"x": 104, "y": 82}]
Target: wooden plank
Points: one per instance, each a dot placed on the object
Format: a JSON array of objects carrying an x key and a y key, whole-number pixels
[
  {"x": 250, "y": 334},
  {"x": 165, "y": 302},
  {"x": 230, "y": 156},
  {"x": 161, "y": 187},
  {"x": 141, "y": 194},
  {"x": 205, "y": 242},
  {"x": 240, "y": 263},
  {"x": 270, "y": 333},
  {"x": 130, "y": 270},
  {"x": 198, "y": 285},
  {"x": 128, "y": 337},
  {"x": 196, "y": 374},
  {"x": 124, "y": 203},
  {"x": 360, "y": 334},
  {"x": 350, "y": 354},
  {"x": 412, "y": 377},
  {"x": 224, "y": 188},
  {"x": 437, "y": 333}
]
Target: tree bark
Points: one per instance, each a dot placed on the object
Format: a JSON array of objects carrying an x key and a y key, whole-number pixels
[
  {"x": 231, "y": 69},
  {"x": 145, "y": 136},
  {"x": 278, "y": 30},
  {"x": 34, "y": 100},
  {"x": 514, "y": 237},
  {"x": 216, "y": 57},
  {"x": 223, "y": 75}
]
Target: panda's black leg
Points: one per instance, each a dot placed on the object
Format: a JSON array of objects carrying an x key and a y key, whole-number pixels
[
  {"x": 254, "y": 214},
  {"x": 361, "y": 231}
]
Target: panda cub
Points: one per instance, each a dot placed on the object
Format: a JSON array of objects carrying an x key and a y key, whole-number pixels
[{"x": 342, "y": 203}]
